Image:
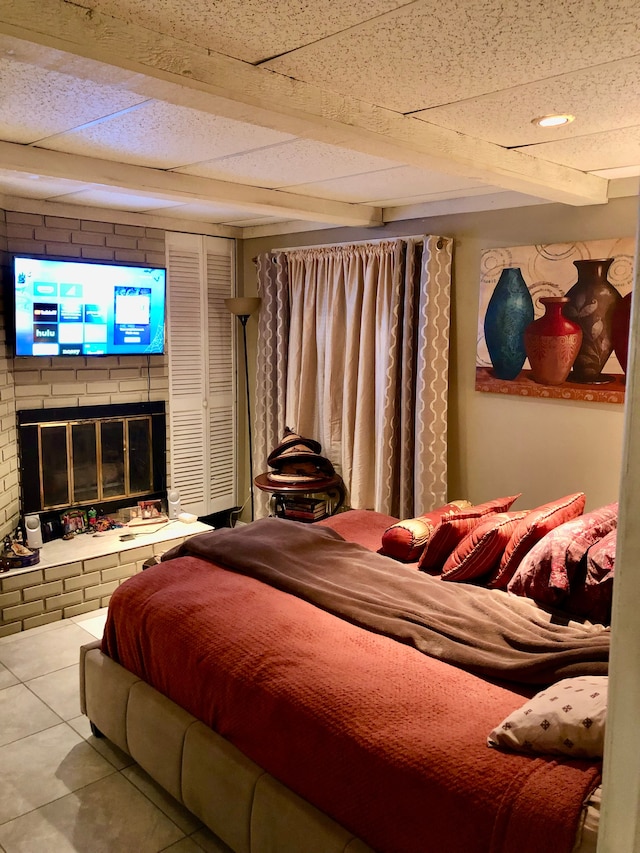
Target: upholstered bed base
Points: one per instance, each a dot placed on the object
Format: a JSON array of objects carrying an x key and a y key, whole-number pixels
[{"x": 244, "y": 806}]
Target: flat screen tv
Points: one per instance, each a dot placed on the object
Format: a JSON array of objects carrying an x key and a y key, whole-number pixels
[{"x": 66, "y": 307}]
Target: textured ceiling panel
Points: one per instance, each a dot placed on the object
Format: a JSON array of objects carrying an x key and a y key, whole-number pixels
[
  {"x": 301, "y": 160},
  {"x": 36, "y": 103},
  {"x": 213, "y": 212},
  {"x": 601, "y": 151},
  {"x": 505, "y": 117},
  {"x": 115, "y": 199},
  {"x": 386, "y": 187},
  {"x": 251, "y": 30},
  {"x": 429, "y": 54},
  {"x": 165, "y": 136},
  {"x": 33, "y": 186}
]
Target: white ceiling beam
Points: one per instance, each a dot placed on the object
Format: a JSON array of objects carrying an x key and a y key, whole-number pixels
[
  {"x": 184, "y": 74},
  {"x": 183, "y": 188}
]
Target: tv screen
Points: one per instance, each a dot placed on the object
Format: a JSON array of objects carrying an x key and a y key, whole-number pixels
[{"x": 87, "y": 308}]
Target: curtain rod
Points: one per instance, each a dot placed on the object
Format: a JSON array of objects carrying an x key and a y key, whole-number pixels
[{"x": 354, "y": 243}]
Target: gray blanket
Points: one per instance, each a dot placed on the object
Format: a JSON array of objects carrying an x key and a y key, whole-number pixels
[{"x": 487, "y": 632}]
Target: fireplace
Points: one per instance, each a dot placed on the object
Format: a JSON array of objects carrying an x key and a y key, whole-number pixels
[{"x": 104, "y": 457}]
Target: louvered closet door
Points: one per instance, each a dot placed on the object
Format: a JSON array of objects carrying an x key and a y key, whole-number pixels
[{"x": 201, "y": 372}]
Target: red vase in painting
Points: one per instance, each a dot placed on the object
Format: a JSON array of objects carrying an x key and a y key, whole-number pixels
[
  {"x": 552, "y": 343},
  {"x": 620, "y": 330}
]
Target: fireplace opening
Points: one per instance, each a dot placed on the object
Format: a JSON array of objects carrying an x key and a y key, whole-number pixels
[{"x": 104, "y": 457}]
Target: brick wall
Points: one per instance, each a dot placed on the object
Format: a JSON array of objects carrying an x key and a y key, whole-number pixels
[
  {"x": 32, "y": 383},
  {"x": 36, "y": 597},
  {"x": 9, "y": 497}
]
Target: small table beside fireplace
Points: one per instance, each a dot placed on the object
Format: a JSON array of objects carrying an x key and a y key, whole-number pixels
[{"x": 331, "y": 487}]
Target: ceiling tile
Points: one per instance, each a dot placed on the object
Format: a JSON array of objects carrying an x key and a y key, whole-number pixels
[
  {"x": 428, "y": 54},
  {"x": 505, "y": 117},
  {"x": 301, "y": 160},
  {"x": 608, "y": 150},
  {"x": 37, "y": 102},
  {"x": 164, "y": 136},
  {"x": 251, "y": 30},
  {"x": 114, "y": 199},
  {"x": 34, "y": 186},
  {"x": 388, "y": 186}
]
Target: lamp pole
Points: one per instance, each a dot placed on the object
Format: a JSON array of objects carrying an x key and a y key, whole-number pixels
[{"x": 243, "y": 308}]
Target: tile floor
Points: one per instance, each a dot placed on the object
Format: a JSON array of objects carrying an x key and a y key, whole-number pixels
[{"x": 61, "y": 789}]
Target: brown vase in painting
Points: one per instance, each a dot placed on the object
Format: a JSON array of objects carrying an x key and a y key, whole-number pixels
[
  {"x": 552, "y": 343},
  {"x": 592, "y": 303}
]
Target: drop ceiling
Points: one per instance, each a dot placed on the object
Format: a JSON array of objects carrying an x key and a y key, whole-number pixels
[{"x": 265, "y": 117}]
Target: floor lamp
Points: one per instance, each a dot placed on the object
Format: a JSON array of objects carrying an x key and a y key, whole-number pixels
[{"x": 243, "y": 307}]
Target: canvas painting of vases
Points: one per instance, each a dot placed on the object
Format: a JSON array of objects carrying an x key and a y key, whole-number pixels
[{"x": 554, "y": 320}]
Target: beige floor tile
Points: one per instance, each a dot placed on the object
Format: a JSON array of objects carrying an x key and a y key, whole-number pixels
[
  {"x": 6, "y": 678},
  {"x": 59, "y": 690},
  {"x": 23, "y": 714},
  {"x": 109, "y": 816},
  {"x": 181, "y": 816},
  {"x": 37, "y": 654},
  {"x": 108, "y": 750},
  {"x": 32, "y": 632},
  {"x": 209, "y": 842},
  {"x": 44, "y": 767},
  {"x": 186, "y": 845},
  {"x": 94, "y": 625}
]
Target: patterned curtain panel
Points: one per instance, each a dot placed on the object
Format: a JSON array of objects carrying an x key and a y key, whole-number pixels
[{"x": 353, "y": 345}]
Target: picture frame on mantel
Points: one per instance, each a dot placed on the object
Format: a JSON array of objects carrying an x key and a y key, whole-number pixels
[{"x": 553, "y": 320}]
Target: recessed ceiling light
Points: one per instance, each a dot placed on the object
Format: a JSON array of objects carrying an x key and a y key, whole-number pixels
[{"x": 552, "y": 120}]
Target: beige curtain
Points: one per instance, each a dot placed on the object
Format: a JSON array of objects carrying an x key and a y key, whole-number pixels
[{"x": 353, "y": 351}]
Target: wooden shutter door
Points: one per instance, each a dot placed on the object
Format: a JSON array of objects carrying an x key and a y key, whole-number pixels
[{"x": 201, "y": 376}]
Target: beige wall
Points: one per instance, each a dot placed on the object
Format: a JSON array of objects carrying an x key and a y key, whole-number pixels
[{"x": 503, "y": 445}]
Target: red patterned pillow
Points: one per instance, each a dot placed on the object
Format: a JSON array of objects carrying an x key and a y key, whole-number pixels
[
  {"x": 593, "y": 598},
  {"x": 480, "y": 551},
  {"x": 531, "y": 529},
  {"x": 451, "y": 531},
  {"x": 406, "y": 540},
  {"x": 547, "y": 571}
]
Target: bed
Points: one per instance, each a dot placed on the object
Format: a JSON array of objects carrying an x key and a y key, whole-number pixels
[{"x": 299, "y": 692}]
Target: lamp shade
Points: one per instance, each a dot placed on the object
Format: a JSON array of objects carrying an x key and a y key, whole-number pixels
[{"x": 242, "y": 306}]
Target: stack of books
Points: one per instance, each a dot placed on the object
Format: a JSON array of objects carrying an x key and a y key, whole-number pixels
[{"x": 299, "y": 508}]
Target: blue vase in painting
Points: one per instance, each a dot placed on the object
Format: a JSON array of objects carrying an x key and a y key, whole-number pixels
[{"x": 509, "y": 312}]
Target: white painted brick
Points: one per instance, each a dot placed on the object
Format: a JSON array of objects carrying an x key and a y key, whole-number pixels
[
  {"x": 91, "y": 374},
  {"x": 67, "y": 570},
  {"x": 53, "y": 402},
  {"x": 133, "y": 230},
  {"x": 133, "y": 554},
  {"x": 68, "y": 249},
  {"x": 107, "y": 561},
  {"x": 43, "y": 619},
  {"x": 40, "y": 389},
  {"x": 25, "y": 218},
  {"x": 97, "y": 253},
  {"x": 58, "y": 376},
  {"x": 101, "y": 590},
  {"x": 125, "y": 571},
  {"x": 79, "y": 609},
  {"x": 101, "y": 227},
  {"x": 82, "y": 581},
  {"x": 12, "y": 628},
  {"x": 32, "y": 593},
  {"x": 131, "y": 255},
  {"x": 68, "y": 388},
  {"x": 19, "y": 581},
  {"x": 57, "y": 235},
  {"x": 87, "y": 238},
  {"x": 61, "y": 222},
  {"x": 132, "y": 385}
]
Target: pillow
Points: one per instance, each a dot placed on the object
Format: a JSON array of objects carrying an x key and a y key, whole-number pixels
[
  {"x": 406, "y": 540},
  {"x": 531, "y": 529},
  {"x": 480, "y": 551},
  {"x": 364, "y": 526},
  {"x": 452, "y": 530},
  {"x": 547, "y": 571},
  {"x": 592, "y": 599},
  {"x": 567, "y": 718}
]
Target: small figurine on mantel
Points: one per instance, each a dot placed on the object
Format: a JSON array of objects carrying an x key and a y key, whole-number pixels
[{"x": 15, "y": 554}]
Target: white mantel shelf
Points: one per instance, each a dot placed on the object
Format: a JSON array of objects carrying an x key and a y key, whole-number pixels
[
  {"x": 85, "y": 546},
  {"x": 79, "y": 575}
]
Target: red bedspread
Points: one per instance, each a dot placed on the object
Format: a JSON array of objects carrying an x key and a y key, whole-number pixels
[{"x": 389, "y": 742}]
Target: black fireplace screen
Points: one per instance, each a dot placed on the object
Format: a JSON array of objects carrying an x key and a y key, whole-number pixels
[{"x": 91, "y": 455}]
